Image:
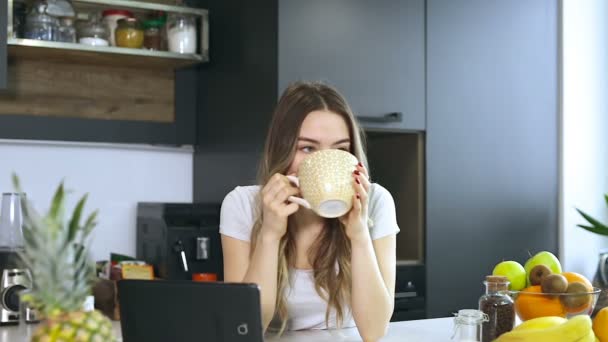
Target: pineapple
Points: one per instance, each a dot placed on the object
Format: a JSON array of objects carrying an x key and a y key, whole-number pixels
[{"x": 56, "y": 254}]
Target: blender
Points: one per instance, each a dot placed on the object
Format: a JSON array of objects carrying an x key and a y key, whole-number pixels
[{"x": 14, "y": 278}]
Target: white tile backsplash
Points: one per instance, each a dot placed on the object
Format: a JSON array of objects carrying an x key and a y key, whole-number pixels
[{"x": 115, "y": 176}]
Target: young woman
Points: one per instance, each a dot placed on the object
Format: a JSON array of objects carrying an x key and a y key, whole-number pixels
[{"x": 314, "y": 273}]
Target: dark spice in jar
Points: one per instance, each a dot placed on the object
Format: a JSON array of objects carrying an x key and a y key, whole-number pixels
[{"x": 498, "y": 305}]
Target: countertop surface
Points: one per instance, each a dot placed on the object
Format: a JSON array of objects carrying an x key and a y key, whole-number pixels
[{"x": 426, "y": 330}]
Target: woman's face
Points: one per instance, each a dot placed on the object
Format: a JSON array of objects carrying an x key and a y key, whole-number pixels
[{"x": 320, "y": 130}]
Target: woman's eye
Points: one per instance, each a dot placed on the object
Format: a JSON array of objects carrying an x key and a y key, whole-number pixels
[
  {"x": 345, "y": 149},
  {"x": 307, "y": 149}
]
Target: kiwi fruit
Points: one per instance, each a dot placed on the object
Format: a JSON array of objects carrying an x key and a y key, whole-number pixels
[
  {"x": 577, "y": 296},
  {"x": 537, "y": 273},
  {"x": 554, "y": 283}
]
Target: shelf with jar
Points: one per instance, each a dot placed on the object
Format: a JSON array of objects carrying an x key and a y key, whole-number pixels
[{"x": 127, "y": 33}]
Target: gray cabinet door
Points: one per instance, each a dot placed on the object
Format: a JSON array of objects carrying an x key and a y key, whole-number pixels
[
  {"x": 3, "y": 24},
  {"x": 492, "y": 141},
  {"x": 372, "y": 51}
]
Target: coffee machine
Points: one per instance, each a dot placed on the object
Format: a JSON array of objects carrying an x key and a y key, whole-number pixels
[
  {"x": 181, "y": 240},
  {"x": 14, "y": 277}
]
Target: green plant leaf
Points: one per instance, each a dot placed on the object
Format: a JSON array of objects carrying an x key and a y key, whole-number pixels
[
  {"x": 56, "y": 211},
  {"x": 90, "y": 224},
  {"x": 75, "y": 220},
  {"x": 606, "y": 198},
  {"x": 594, "y": 222},
  {"x": 596, "y": 230}
]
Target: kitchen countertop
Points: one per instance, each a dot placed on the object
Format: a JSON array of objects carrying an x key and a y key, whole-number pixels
[{"x": 425, "y": 330}]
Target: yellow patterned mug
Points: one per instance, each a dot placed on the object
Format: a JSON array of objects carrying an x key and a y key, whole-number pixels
[{"x": 325, "y": 179}]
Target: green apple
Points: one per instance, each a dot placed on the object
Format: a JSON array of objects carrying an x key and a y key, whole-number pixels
[
  {"x": 514, "y": 271},
  {"x": 542, "y": 258}
]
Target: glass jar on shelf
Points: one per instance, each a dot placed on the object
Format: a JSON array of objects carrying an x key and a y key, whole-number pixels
[
  {"x": 111, "y": 18},
  {"x": 19, "y": 18},
  {"x": 153, "y": 37},
  {"x": 39, "y": 25},
  {"x": 66, "y": 32},
  {"x": 181, "y": 33},
  {"x": 129, "y": 33},
  {"x": 93, "y": 33}
]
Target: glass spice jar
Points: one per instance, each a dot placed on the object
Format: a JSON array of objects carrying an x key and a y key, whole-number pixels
[
  {"x": 129, "y": 33},
  {"x": 181, "y": 33},
  {"x": 66, "y": 32},
  {"x": 153, "y": 34},
  {"x": 93, "y": 33},
  {"x": 498, "y": 305},
  {"x": 467, "y": 325}
]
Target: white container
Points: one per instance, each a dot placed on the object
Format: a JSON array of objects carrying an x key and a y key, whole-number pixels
[
  {"x": 110, "y": 19},
  {"x": 181, "y": 34},
  {"x": 93, "y": 41}
]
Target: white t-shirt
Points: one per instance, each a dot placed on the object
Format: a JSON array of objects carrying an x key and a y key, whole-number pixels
[{"x": 305, "y": 307}]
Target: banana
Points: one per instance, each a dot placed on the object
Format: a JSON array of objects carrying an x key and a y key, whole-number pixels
[
  {"x": 575, "y": 329},
  {"x": 590, "y": 337},
  {"x": 541, "y": 323}
]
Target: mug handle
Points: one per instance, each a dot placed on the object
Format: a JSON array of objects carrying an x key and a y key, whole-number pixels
[{"x": 294, "y": 199}]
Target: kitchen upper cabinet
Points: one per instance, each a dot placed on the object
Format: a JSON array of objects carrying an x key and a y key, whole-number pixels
[
  {"x": 372, "y": 51},
  {"x": 53, "y": 90},
  {"x": 492, "y": 141},
  {"x": 3, "y": 26}
]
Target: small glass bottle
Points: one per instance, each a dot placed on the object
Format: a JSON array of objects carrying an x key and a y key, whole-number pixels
[
  {"x": 467, "y": 325},
  {"x": 66, "y": 32},
  {"x": 498, "y": 305}
]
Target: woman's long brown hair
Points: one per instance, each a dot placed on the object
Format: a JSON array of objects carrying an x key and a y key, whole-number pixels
[{"x": 330, "y": 253}]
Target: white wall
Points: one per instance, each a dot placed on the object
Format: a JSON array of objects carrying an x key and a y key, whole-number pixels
[
  {"x": 115, "y": 176},
  {"x": 584, "y": 177}
]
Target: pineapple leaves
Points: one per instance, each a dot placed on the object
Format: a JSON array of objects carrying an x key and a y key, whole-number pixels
[
  {"x": 57, "y": 253},
  {"x": 75, "y": 221},
  {"x": 57, "y": 205}
]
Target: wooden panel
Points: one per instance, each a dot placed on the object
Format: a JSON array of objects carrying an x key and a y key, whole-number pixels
[
  {"x": 397, "y": 163},
  {"x": 49, "y": 52},
  {"x": 43, "y": 88}
]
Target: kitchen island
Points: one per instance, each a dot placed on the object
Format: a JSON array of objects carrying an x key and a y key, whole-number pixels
[{"x": 425, "y": 330}]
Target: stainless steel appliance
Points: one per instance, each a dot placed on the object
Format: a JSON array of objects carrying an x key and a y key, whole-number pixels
[
  {"x": 12, "y": 283},
  {"x": 180, "y": 239},
  {"x": 14, "y": 277}
]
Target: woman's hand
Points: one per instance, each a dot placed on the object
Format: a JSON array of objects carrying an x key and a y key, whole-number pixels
[
  {"x": 356, "y": 220},
  {"x": 275, "y": 208}
]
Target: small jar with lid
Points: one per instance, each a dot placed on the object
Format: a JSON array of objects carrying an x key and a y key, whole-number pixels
[
  {"x": 39, "y": 25},
  {"x": 153, "y": 37},
  {"x": 66, "y": 32},
  {"x": 498, "y": 306},
  {"x": 111, "y": 17},
  {"x": 129, "y": 33},
  {"x": 467, "y": 325},
  {"x": 93, "y": 33},
  {"x": 181, "y": 33}
]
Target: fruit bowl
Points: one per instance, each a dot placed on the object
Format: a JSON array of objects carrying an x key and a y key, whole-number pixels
[{"x": 532, "y": 303}]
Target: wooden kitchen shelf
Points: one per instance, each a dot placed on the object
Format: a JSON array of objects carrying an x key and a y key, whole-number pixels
[{"x": 104, "y": 55}]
